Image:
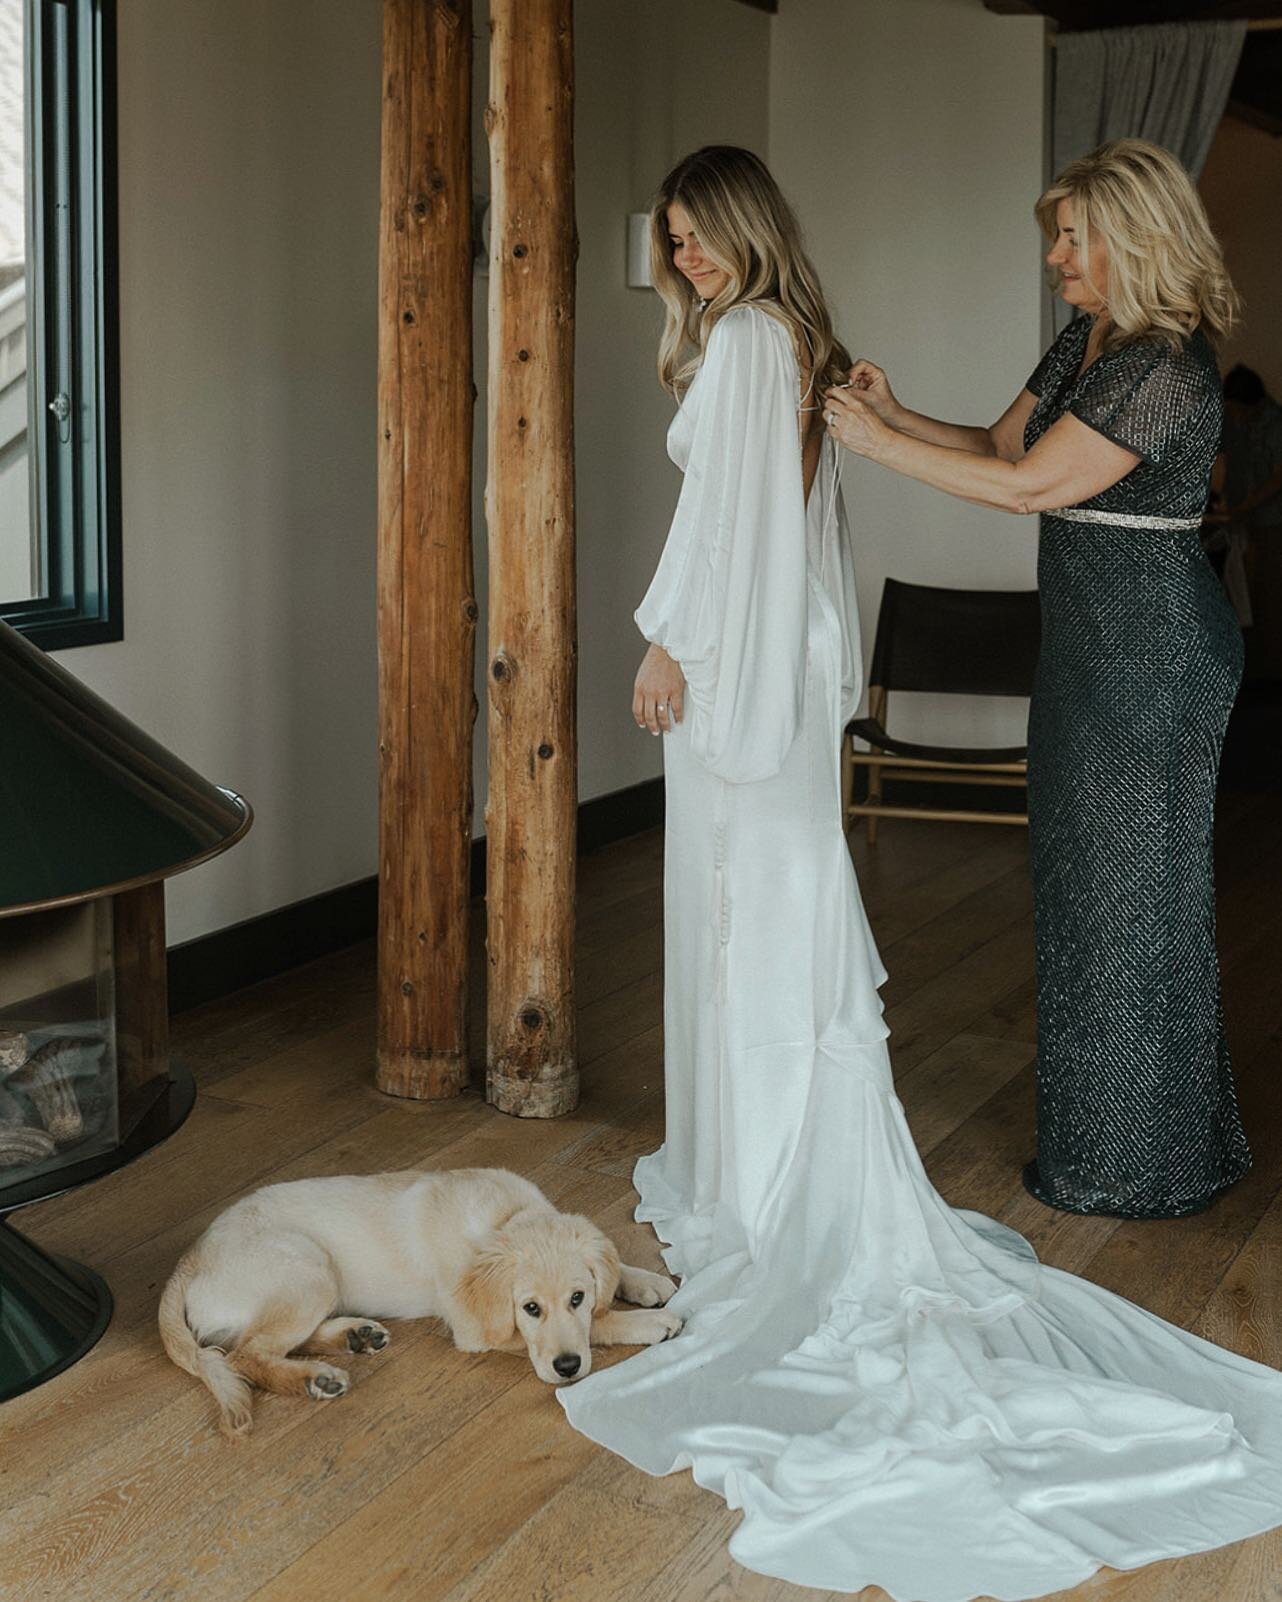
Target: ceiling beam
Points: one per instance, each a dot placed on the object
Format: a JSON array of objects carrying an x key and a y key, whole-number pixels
[{"x": 1075, "y": 14}]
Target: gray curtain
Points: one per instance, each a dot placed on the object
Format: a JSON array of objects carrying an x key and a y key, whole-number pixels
[{"x": 1167, "y": 83}]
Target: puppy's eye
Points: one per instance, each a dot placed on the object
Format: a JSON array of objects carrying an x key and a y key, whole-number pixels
[
  {"x": 577, "y": 1299},
  {"x": 532, "y": 1308}
]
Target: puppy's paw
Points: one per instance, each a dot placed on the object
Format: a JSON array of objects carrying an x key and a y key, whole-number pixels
[
  {"x": 365, "y": 1338},
  {"x": 327, "y": 1382},
  {"x": 657, "y": 1325},
  {"x": 644, "y": 1289},
  {"x": 236, "y": 1423}
]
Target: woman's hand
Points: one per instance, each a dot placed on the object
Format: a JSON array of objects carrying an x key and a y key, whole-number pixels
[
  {"x": 872, "y": 386},
  {"x": 660, "y": 685},
  {"x": 853, "y": 422}
]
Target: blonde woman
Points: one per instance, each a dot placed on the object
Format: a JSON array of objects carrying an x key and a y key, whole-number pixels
[
  {"x": 1112, "y": 440},
  {"x": 893, "y": 1392}
]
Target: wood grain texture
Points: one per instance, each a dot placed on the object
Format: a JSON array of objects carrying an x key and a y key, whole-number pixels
[
  {"x": 529, "y": 506},
  {"x": 142, "y": 998},
  {"x": 426, "y": 607},
  {"x": 451, "y": 1478}
]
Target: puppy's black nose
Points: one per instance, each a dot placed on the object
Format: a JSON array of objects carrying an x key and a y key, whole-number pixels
[{"x": 567, "y": 1365}]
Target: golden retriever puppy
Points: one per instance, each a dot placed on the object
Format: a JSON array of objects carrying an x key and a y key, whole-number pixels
[{"x": 312, "y": 1267}]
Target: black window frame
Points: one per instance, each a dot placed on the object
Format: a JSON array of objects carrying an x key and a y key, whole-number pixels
[{"x": 73, "y": 324}]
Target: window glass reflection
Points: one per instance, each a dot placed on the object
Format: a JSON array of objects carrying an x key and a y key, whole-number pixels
[{"x": 20, "y": 577}]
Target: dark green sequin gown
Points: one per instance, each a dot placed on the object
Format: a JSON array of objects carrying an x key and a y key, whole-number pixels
[{"x": 1140, "y": 661}]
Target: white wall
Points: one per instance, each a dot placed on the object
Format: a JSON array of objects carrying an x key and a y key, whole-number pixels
[
  {"x": 908, "y": 135},
  {"x": 249, "y": 140},
  {"x": 1241, "y": 185}
]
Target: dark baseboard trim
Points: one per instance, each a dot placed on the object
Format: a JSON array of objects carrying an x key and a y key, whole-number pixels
[
  {"x": 216, "y": 964},
  {"x": 607, "y": 818}
]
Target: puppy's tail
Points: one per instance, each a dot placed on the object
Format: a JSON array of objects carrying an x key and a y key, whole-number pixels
[{"x": 208, "y": 1364}]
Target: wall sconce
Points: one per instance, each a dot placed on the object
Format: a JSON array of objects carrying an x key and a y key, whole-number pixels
[{"x": 639, "y": 251}]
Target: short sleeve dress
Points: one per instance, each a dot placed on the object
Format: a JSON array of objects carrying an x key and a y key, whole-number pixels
[{"x": 1141, "y": 659}]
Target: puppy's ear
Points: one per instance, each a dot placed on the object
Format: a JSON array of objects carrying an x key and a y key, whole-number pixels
[
  {"x": 485, "y": 1316},
  {"x": 602, "y": 1257}
]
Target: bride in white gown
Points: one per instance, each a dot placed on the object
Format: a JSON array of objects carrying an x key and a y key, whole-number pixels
[{"x": 895, "y": 1392}]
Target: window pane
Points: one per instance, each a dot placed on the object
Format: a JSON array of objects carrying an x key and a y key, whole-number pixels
[
  {"x": 21, "y": 578},
  {"x": 59, "y": 432}
]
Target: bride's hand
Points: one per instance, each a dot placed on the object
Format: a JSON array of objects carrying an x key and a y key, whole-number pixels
[
  {"x": 660, "y": 684},
  {"x": 852, "y": 422},
  {"x": 872, "y": 386}
]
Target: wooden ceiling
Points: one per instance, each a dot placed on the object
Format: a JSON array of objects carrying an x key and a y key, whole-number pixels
[
  {"x": 1073, "y": 14},
  {"x": 1117, "y": 13}
]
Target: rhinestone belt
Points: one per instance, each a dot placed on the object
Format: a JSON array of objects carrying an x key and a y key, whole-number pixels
[{"x": 1080, "y": 514}]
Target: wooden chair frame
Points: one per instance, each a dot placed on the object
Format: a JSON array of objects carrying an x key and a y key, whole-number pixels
[{"x": 883, "y": 764}]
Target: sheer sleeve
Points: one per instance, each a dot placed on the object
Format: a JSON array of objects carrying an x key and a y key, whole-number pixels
[
  {"x": 1143, "y": 397},
  {"x": 728, "y": 600}
]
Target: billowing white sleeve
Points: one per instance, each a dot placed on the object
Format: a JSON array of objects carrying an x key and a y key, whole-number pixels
[{"x": 728, "y": 600}]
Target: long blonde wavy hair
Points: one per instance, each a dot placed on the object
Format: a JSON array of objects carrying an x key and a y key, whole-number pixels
[
  {"x": 1166, "y": 272},
  {"x": 747, "y": 228}
]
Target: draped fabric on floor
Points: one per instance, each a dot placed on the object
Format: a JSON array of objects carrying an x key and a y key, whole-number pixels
[{"x": 893, "y": 1391}]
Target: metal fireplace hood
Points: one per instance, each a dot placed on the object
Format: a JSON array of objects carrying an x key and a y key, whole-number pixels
[{"x": 89, "y": 804}]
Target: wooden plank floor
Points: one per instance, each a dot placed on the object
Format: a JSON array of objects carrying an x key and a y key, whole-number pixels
[{"x": 447, "y": 1477}]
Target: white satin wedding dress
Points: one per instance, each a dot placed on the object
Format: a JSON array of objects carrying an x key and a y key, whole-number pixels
[{"x": 893, "y": 1391}]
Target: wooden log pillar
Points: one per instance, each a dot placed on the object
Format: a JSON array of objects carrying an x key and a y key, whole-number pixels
[
  {"x": 533, "y": 751},
  {"x": 426, "y": 606}
]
